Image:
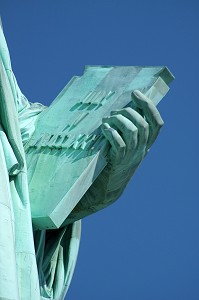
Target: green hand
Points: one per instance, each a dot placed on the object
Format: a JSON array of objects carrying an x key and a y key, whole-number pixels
[{"x": 131, "y": 134}]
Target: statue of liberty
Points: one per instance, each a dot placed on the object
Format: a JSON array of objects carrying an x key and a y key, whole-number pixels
[{"x": 38, "y": 263}]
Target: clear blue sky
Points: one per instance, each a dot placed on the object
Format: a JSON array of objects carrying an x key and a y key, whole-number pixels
[{"x": 146, "y": 246}]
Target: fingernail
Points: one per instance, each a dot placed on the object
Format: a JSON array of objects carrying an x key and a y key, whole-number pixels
[
  {"x": 104, "y": 127},
  {"x": 137, "y": 93}
]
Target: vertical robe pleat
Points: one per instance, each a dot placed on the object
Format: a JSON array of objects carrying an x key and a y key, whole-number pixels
[{"x": 28, "y": 271}]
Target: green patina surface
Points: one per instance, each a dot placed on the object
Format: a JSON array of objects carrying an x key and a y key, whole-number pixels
[
  {"x": 79, "y": 155},
  {"x": 68, "y": 141}
]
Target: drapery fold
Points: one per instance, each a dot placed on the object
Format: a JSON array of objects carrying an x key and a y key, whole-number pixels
[{"x": 33, "y": 265}]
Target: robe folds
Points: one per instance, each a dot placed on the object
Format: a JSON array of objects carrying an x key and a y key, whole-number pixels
[{"x": 38, "y": 264}]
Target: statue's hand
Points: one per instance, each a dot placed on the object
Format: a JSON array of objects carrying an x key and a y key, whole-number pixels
[{"x": 130, "y": 133}]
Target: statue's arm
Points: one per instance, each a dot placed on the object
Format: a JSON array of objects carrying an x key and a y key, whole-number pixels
[
  {"x": 131, "y": 134},
  {"x": 27, "y": 112}
]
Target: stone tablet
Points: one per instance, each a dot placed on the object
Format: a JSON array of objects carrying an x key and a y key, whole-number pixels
[{"x": 67, "y": 150}]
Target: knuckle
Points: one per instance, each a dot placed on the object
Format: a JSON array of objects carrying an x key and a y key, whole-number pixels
[
  {"x": 128, "y": 110},
  {"x": 160, "y": 123},
  {"x": 121, "y": 148},
  {"x": 134, "y": 130},
  {"x": 118, "y": 116},
  {"x": 145, "y": 100},
  {"x": 105, "y": 125},
  {"x": 131, "y": 130},
  {"x": 150, "y": 106}
]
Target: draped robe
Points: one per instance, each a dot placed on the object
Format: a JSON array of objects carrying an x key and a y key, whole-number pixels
[{"x": 33, "y": 265}]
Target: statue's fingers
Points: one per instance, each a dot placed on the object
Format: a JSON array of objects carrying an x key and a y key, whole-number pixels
[
  {"x": 126, "y": 128},
  {"x": 139, "y": 122},
  {"x": 118, "y": 146},
  {"x": 151, "y": 114}
]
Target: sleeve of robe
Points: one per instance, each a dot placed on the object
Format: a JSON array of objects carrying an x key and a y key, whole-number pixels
[{"x": 35, "y": 265}]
